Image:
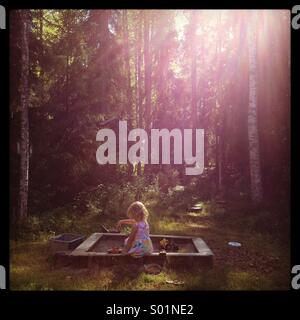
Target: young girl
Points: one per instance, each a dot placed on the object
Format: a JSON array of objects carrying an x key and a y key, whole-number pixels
[{"x": 138, "y": 243}]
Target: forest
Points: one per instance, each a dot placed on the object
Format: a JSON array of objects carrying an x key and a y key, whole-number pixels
[{"x": 75, "y": 72}]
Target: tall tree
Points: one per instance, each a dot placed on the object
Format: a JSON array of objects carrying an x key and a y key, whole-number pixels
[
  {"x": 139, "y": 73},
  {"x": 221, "y": 110},
  {"x": 24, "y": 122},
  {"x": 193, "y": 68},
  {"x": 139, "y": 80},
  {"x": 253, "y": 136},
  {"x": 147, "y": 67},
  {"x": 128, "y": 68}
]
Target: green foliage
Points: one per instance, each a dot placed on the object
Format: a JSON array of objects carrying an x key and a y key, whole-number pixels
[{"x": 167, "y": 178}]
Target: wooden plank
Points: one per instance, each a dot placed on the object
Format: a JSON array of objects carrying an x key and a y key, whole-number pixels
[
  {"x": 110, "y": 234},
  {"x": 151, "y": 235},
  {"x": 202, "y": 247},
  {"x": 169, "y": 236},
  {"x": 87, "y": 244}
]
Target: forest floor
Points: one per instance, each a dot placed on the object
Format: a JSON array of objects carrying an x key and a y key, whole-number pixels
[{"x": 261, "y": 263}]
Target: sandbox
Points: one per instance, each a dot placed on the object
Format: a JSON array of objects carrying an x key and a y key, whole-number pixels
[{"x": 93, "y": 252}]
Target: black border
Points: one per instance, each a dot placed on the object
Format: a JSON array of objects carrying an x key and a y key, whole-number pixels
[{"x": 206, "y": 302}]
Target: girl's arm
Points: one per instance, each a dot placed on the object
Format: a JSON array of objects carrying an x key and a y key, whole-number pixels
[
  {"x": 131, "y": 238},
  {"x": 125, "y": 221}
]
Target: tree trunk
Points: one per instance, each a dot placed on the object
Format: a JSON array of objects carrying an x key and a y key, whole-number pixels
[
  {"x": 139, "y": 74},
  {"x": 221, "y": 111},
  {"x": 41, "y": 40},
  {"x": 128, "y": 70},
  {"x": 24, "y": 126},
  {"x": 129, "y": 109},
  {"x": 105, "y": 78},
  {"x": 193, "y": 70},
  {"x": 220, "y": 166},
  {"x": 139, "y": 83},
  {"x": 147, "y": 72},
  {"x": 147, "y": 66},
  {"x": 253, "y": 136}
]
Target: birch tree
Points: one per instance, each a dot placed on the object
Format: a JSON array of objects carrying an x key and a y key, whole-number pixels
[
  {"x": 24, "y": 122},
  {"x": 193, "y": 69},
  {"x": 253, "y": 136}
]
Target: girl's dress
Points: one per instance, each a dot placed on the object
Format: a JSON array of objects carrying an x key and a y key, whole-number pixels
[{"x": 142, "y": 244}]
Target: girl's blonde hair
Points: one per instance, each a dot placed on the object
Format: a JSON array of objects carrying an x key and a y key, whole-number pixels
[{"x": 137, "y": 210}]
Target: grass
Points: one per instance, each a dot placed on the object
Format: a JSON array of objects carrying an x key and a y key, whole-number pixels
[{"x": 262, "y": 263}]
